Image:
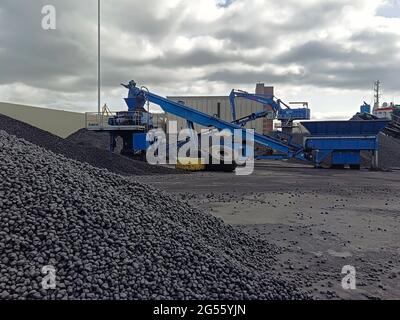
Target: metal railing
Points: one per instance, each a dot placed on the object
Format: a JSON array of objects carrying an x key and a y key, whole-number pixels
[
  {"x": 95, "y": 120},
  {"x": 124, "y": 120}
]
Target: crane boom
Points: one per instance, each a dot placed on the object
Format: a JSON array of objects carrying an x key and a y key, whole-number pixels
[{"x": 284, "y": 114}]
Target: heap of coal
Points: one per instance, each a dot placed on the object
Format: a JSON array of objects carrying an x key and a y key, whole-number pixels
[
  {"x": 109, "y": 237},
  {"x": 100, "y": 158},
  {"x": 100, "y": 140},
  {"x": 391, "y": 130},
  {"x": 389, "y": 145},
  {"x": 388, "y": 153}
]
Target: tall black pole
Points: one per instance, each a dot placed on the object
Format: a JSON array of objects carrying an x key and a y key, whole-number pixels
[{"x": 98, "y": 62}]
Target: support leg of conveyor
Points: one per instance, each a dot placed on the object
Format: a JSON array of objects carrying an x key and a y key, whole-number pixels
[{"x": 112, "y": 141}]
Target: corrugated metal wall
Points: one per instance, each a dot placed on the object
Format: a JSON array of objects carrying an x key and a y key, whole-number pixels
[{"x": 210, "y": 105}]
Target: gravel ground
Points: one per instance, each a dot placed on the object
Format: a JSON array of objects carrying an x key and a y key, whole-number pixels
[
  {"x": 84, "y": 153},
  {"x": 324, "y": 219},
  {"x": 109, "y": 237}
]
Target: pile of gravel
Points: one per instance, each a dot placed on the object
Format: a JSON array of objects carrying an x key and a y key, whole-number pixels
[
  {"x": 100, "y": 158},
  {"x": 298, "y": 138},
  {"x": 109, "y": 237},
  {"x": 100, "y": 140},
  {"x": 389, "y": 153},
  {"x": 389, "y": 147}
]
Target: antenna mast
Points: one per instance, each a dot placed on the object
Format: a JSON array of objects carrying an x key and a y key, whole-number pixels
[{"x": 377, "y": 94}]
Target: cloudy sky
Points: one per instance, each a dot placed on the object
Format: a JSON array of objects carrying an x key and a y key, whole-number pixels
[{"x": 327, "y": 52}]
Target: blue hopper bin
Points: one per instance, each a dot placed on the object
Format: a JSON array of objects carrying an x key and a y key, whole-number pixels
[{"x": 345, "y": 128}]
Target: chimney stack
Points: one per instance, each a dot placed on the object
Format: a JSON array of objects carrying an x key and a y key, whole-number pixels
[{"x": 268, "y": 125}]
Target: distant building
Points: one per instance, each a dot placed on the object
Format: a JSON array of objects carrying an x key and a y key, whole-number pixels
[
  {"x": 219, "y": 106},
  {"x": 385, "y": 111}
]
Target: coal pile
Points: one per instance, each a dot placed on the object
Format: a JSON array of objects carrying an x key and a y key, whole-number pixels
[
  {"x": 100, "y": 140},
  {"x": 298, "y": 138},
  {"x": 109, "y": 237},
  {"x": 389, "y": 146},
  {"x": 364, "y": 116},
  {"x": 100, "y": 158},
  {"x": 392, "y": 129},
  {"x": 389, "y": 153}
]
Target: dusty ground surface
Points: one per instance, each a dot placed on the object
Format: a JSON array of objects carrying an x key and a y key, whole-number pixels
[{"x": 326, "y": 219}]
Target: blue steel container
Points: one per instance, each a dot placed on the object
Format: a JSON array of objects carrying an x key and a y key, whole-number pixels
[{"x": 345, "y": 128}]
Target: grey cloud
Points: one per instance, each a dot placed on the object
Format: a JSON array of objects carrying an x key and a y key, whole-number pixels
[
  {"x": 64, "y": 61},
  {"x": 196, "y": 58},
  {"x": 139, "y": 18},
  {"x": 269, "y": 33},
  {"x": 320, "y": 52},
  {"x": 328, "y": 64},
  {"x": 247, "y": 77},
  {"x": 42, "y": 58}
]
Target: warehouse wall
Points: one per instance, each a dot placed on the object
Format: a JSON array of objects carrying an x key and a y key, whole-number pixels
[
  {"x": 58, "y": 122},
  {"x": 209, "y": 105}
]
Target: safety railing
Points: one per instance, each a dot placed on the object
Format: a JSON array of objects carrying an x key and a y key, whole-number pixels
[
  {"x": 124, "y": 120},
  {"x": 95, "y": 120}
]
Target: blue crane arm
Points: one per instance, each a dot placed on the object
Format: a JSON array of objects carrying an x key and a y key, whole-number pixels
[
  {"x": 280, "y": 113},
  {"x": 263, "y": 99},
  {"x": 254, "y": 116},
  {"x": 195, "y": 116}
]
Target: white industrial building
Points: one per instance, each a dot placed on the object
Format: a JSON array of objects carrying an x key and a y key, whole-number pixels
[{"x": 219, "y": 106}]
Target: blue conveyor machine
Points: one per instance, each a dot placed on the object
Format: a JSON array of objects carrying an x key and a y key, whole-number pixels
[{"x": 341, "y": 142}]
